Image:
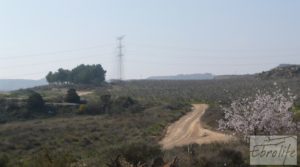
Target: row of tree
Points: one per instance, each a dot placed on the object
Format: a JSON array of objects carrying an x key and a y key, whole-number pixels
[{"x": 82, "y": 74}]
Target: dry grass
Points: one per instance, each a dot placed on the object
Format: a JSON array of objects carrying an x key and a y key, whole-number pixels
[{"x": 87, "y": 138}]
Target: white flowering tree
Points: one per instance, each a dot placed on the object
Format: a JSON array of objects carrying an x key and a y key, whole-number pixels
[{"x": 265, "y": 114}]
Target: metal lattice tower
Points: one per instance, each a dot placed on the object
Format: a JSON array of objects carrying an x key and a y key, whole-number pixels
[{"x": 120, "y": 55}]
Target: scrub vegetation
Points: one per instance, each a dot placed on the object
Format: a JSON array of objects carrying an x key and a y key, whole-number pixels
[{"x": 120, "y": 124}]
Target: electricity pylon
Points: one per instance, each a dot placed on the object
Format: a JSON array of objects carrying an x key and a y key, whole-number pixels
[{"x": 120, "y": 55}]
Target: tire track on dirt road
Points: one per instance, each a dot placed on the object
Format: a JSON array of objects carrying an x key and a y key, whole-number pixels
[{"x": 189, "y": 130}]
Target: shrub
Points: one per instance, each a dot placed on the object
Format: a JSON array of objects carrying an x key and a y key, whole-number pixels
[
  {"x": 4, "y": 160},
  {"x": 106, "y": 103},
  {"x": 177, "y": 105},
  {"x": 139, "y": 153},
  {"x": 126, "y": 104},
  {"x": 225, "y": 157},
  {"x": 35, "y": 102},
  {"x": 48, "y": 158},
  {"x": 230, "y": 157},
  {"x": 92, "y": 107},
  {"x": 72, "y": 96},
  {"x": 82, "y": 109}
]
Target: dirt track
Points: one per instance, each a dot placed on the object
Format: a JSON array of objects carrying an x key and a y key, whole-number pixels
[
  {"x": 188, "y": 130},
  {"x": 82, "y": 93}
]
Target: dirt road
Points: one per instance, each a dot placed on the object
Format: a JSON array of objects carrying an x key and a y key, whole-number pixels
[
  {"x": 188, "y": 130},
  {"x": 82, "y": 93}
]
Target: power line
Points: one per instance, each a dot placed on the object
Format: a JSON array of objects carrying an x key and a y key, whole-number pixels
[
  {"x": 55, "y": 52},
  {"x": 173, "y": 48},
  {"x": 219, "y": 56},
  {"x": 53, "y": 61},
  {"x": 131, "y": 60},
  {"x": 121, "y": 55},
  {"x": 198, "y": 64},
  {"x": 30, "y": 74}
]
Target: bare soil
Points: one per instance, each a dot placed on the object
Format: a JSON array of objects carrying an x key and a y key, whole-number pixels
[
  {"x": 83, "y": 93},
  {"x": 189, "y": 130}
]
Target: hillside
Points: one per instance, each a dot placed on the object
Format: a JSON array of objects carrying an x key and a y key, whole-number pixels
[
  {"x": 14, "y": 84},
  {"x": 205, "y": 76},
  {"x": 85, "y": 139},
  {"x": 286, "y": 71},
  {"x": 138, "y": 117}
]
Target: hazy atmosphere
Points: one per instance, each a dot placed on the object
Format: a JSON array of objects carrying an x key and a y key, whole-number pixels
[
  {"x": 157, "y": 83},
  {"x": 161, "y": 37}
]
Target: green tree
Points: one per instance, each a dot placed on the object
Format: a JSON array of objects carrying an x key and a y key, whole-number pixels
[
  {"x": 35, "y": 102},
  {"x": 72, "y": 96},
  {"x": 50, "y": 77},
  {"x": 88, "y": 74},
  {"x": 63, "y": 76},
  {"x": 82, "y": 74}
]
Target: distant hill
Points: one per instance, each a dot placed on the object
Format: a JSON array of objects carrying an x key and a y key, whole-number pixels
[
  {"x": 206, "y": 76},
  {"x": 14, "y": 84},
  {"x": 286, "y": 71},
  {"x": 219, "y": 77}
]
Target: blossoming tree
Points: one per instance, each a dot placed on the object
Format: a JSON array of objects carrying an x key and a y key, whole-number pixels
[{"x": 265, "y": 114}]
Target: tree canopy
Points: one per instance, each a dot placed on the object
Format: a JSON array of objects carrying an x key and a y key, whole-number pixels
[{"x": 82, "y": 74}]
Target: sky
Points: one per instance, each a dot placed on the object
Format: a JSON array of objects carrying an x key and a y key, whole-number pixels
[{"x": 162, "y": 37}]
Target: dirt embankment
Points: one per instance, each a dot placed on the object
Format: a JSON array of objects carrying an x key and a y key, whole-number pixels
[{"x": 189, "y": 130}]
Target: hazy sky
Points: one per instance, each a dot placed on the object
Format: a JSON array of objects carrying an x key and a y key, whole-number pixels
[{"x": 163, "y": 37}]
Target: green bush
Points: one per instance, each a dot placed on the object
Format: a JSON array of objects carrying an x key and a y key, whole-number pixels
[
  {"x": 107, "y": 105},
  {"x": 125, "y": 104},
  {"x": 35, "y": 102},
  {"x": 72, "y": 96},
  {"x": 155, "y": 129},
  {"x": 177, "y": 105}
]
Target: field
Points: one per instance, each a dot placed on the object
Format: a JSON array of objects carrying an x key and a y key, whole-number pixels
[
  {"x": 210, "y": 91},
  {"x": 72, "y": 139}
]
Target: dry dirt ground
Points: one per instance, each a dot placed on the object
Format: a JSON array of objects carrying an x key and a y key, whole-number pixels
[
  {"x": 188, "y": 130},
  {"x": 82, "y": 93}
]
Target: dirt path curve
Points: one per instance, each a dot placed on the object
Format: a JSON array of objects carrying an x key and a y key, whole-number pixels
[{"x": 188, "y": 130}]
